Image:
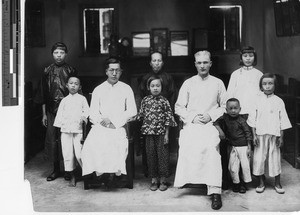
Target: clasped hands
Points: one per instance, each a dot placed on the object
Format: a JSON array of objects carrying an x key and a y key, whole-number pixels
[
  {"x": 107, "y": 123},
  {"x": 201, "y": 119}
]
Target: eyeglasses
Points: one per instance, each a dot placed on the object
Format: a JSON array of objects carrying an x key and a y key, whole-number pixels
[{"x": 111, "y": 70}]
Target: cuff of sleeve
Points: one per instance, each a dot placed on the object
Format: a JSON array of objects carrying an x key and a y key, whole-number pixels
[
  {"x": 190, "y": 118},
  {"x": 118, "y": 123}
]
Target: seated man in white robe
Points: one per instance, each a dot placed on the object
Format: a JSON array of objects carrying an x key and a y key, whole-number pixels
[
  {"x": 201, "y": 101},
  {"x": 112, "y": 105}
]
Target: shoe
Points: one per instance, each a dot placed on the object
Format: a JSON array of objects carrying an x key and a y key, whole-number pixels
[
  {"x": 216, "y": 202},
  {"x": 67, "y": 176},
  {"x": 163, "y": 186},
  {"x": 225, "y": 186},
  {"x": 260, "y": 189},
  {"x": 236, "y": 188},
  {"x": 243, "y": 188},
  {"x": 279, "y": 190},
  {"x": 111, "y": 182},
  {"x": 54, "y": 175},
  {"x": 154, "y": 186},
  {"x": 72, "y": 182}
]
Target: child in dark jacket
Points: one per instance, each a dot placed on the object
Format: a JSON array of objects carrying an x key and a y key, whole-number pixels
[{"x": 234, "y": 127}]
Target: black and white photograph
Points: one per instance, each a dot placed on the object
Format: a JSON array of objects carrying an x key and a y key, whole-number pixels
[{"x": 156, "y": 106}]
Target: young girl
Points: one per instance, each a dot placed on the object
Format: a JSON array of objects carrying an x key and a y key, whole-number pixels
[
  {"x": 243, "y": 83},
  {"x": 156, "y": 116},
  {"x": 72, "y": 111},
  {"x": 268, "y": 120}
]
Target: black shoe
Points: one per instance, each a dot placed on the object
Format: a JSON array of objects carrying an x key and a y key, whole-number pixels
[
  {"x": 111, "y": 182},
  {"x": 67, "y": 176},
  {"x": 236, "y": 188},
  {"x": 225, "y": 186},
  {"x": 216, "y": 202},
  {"x": 54, "y": 175},
  {"x": 243, "y": 188}
]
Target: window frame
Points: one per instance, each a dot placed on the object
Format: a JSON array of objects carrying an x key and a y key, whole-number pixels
[
  {"x": 287, "y": 15},
  {"x": 241, "y": 24},
  {"x": 115, "y": 27}
]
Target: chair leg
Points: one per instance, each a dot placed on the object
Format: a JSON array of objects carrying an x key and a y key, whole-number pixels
[{"x": 130, "y": 165}]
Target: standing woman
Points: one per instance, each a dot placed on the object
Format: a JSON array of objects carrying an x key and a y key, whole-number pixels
[{"x": 244, "y": 82}]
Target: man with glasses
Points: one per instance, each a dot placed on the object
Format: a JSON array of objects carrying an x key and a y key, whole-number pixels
[
  {"x": 106, "y": 146},
  {"x": 201, "y": 101}
]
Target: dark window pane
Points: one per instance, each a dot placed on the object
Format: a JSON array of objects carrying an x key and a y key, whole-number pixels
[{"x": 92, "y": 31}]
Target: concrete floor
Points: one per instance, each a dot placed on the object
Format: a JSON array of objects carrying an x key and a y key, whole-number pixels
[{"x": 56, "y": 196}]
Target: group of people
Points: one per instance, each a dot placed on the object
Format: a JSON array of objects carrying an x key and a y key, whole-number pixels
[{"x": 246, "y": 115}]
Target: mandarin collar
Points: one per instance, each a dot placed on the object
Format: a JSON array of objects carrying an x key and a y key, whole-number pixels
[
  {"x": 155, "y": 97},
  {"x": 112, "y": 85},
  {"x": 268, "y": 96},
  {"x": 73, "y": 94},
  {"x": 59, "y": 65},
  {"x": 203, "y": 79},
  {"x": 247, "y": 68}
]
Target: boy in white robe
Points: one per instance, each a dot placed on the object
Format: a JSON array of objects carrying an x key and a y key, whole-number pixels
[{"x": 73, "y": 110}]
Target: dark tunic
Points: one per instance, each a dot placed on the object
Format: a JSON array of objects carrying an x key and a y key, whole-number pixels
[
  {"x": 52, "y": 87},
  {"x": 236, "y": 129}
]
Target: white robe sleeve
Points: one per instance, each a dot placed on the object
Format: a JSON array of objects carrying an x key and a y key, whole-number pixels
[
  {"x": 85, "y": 108},
  {"x": 215, "y": 113},
  {"x": 95, "y": 115},
  {"x": 231, "y": 85},
  {"x": 130, "y": 109},
  {"x": 59, "y": 114},
  {"x": 284, "y": 119},
  {"x": 181, "y": 105},
  {"x": 251, "y": 121}
]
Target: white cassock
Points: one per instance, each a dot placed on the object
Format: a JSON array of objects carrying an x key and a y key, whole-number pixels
[
  {"x": 105, "y": 149},
  {"x": 199, "y": 161},
  {"x": 244, "y": 86}
]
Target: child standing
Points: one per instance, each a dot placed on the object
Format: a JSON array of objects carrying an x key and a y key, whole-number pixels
[
  {"x": 268, "y": 120},
  {"x": 72, "y": 112},
  {"x": 234, "y": 127},
  {"x": 156, "y": 116},
  {"x": 243, "y": 83},
  {"x": 51, "y": 91}
]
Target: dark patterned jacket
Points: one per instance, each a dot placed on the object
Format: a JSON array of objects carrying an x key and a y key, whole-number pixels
[{"x": 52, "y": 87}]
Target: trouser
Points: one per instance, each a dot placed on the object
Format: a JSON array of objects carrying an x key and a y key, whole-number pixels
[
  {"x": 213, "y": 190},
  {"x": 71, "y": 150},
  {"x": 157, "y": 156},
  {"x": 238, "y": 158},
  {"x": 267, "y": 156}
]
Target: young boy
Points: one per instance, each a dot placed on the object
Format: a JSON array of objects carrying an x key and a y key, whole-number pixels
[
  {"x": 72, "y": 111},
  {"x": 234, "y": 127},
  {"x": 51, "y": 91}
]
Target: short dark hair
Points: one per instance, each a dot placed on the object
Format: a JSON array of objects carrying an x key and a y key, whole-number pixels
[
  {"x": 248, "y": 49},
  {"x": 268, "y": 75},
  {"x": 59, "y": 45},
  {"x": 112, "y": 60},
  {"x": 233, "y": 100},
  {"x": 74, "y": 76},
  {"x": 154, "y": 77}
]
